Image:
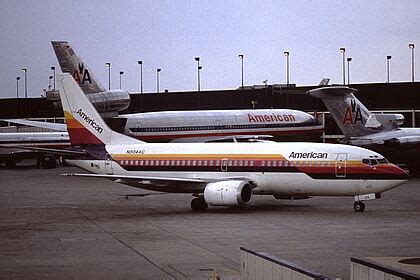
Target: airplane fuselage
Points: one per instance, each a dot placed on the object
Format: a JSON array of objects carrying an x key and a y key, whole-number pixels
[
  {"x": 284, "y": 169},
  {"x": 187, "y": 126}
]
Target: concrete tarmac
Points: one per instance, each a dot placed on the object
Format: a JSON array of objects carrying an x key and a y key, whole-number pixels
[{"x": 55, "y": 227}]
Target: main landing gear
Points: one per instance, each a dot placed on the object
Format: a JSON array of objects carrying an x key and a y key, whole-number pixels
[
  {"x": 199, "y": 204},
  {"x": 359, "y": 206}
]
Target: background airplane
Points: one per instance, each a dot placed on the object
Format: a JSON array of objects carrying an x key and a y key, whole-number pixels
[
  {"x": 380, "y": 132},
  {"x": 223, "y": 174},
  {"x": 12, "y": 147},
  {"x": 107, "y": 102},
  {"x": 191, "y": 126}
]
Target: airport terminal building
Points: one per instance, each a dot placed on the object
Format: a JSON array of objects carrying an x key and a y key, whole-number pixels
[{"x": 400, "y": 98}]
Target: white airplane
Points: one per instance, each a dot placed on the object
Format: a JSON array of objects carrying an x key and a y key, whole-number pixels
[
  {"x": 380, "y": 132},
  {"x": 189, "y": 126},
  {"x": 223, "y": 174},
  {"x": 13, "y": 147}
]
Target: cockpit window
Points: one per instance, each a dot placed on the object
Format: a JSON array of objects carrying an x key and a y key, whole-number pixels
[
  {"x": 372, "y": 161},
  {"x": 382, "y": 161}
]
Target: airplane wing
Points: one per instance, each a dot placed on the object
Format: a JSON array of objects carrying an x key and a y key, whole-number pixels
[
  {"x": 47, "y": 150},
  {"x": 48, "y": 125},
  {"x": 167, "y": 184}
]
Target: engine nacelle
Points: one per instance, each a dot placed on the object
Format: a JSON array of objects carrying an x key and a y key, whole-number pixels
[
  {"x": 393, "y": 120},
  {"x": 228, "y": 193},
  {"x": 109, "y": 103}
]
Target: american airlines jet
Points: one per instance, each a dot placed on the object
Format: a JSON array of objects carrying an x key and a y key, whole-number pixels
[
  {"x": 188, "y": 126},
  {"x": 380, "y": 132},
  {"x": 11, "y": 145},
  {"x": 223, "y": 174}
]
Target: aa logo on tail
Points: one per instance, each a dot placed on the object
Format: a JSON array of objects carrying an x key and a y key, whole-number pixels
[
  {"x": 353, "y": 114},
  {"x": 83, "y": 73}
]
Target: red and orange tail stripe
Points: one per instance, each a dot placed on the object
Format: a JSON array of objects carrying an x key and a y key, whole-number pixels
[{"x": 78, "y": 134}]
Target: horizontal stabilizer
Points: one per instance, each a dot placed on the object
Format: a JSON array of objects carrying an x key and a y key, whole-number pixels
[
  {"x": 372, "y": 122},
  {"x": 47, "y": 125},
  {"x": 331, "y": 92},
  {"x": 48, "y": 150}
]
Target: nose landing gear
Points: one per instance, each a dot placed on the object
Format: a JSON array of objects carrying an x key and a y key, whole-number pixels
[{"x": 359, "y": 206}]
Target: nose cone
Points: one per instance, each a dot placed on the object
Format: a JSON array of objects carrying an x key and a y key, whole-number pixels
[
  {"x": 398, "y": 172},
  {"x": 389, "y": 176}
]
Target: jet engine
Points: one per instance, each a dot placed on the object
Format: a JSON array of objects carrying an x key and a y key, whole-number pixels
[
  {"x": 228, "y": 193},
  {"x": 393, "y": 120},
  {"x": 109, "y": 103}
]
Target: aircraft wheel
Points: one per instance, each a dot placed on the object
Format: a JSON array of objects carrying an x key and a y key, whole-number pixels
[
  {"x": 198, "y": 204},
  {"x": 48, "y": 162},
  {"x": 10, "y": 164},
  {"x": 359, "y": 206}
]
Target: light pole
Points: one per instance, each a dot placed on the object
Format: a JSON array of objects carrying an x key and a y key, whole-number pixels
[
  {"x": 157, "y": 79},
  {"x": 286, "y": 54},
  {"x": 140, "y": 62},
  {"x": 17, "y": 86},
  {"x": 198, "y": 72},
  {"x": 348, "y": 69},
  {"x": 198, "y": 80},
  {"x": 26, "y": 82},
  {"x": 49, "y": 82},
  {"x": 121, "y": 73},
  {"x": 411, "y": 46},
  {"x": 265, "y": 83},
  {"x": 343, "y": 51},
  {"x": 108, "y": 64},
  {"x": 53, "y": 69},
  {"x": 241, "y": 57},
  {"x": 388, "y": 57}
]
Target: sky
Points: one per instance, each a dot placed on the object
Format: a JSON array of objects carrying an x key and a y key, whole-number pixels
[{"x": 169, "y": 34}]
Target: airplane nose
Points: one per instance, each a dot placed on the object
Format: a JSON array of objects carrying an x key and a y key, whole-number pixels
[{"x": 400, "y": 173}]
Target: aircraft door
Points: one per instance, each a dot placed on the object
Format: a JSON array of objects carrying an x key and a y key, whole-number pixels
[
  {"x": 341, "y": 165},
  {"x": 108, "y": 164},
  {"x": 224, "y": 164}
]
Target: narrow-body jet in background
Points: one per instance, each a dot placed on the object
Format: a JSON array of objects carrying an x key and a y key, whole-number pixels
[{"x": 379, "y": 132}]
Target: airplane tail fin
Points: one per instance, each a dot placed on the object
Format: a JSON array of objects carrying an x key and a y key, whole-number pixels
[
  {"x": 71, "y": 63},
  {"x": 324, "y": 82},
  {"x": 351, "y": 116},
  {"x": 84, "y": 124}
]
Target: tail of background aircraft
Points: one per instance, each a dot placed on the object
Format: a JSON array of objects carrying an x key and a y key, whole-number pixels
[
  {"x": 71, "y": 63},
  {"x": 84, "y": 124},
  {"x": 351, "y": 116},
  {"x": 324, "y": 82}
]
